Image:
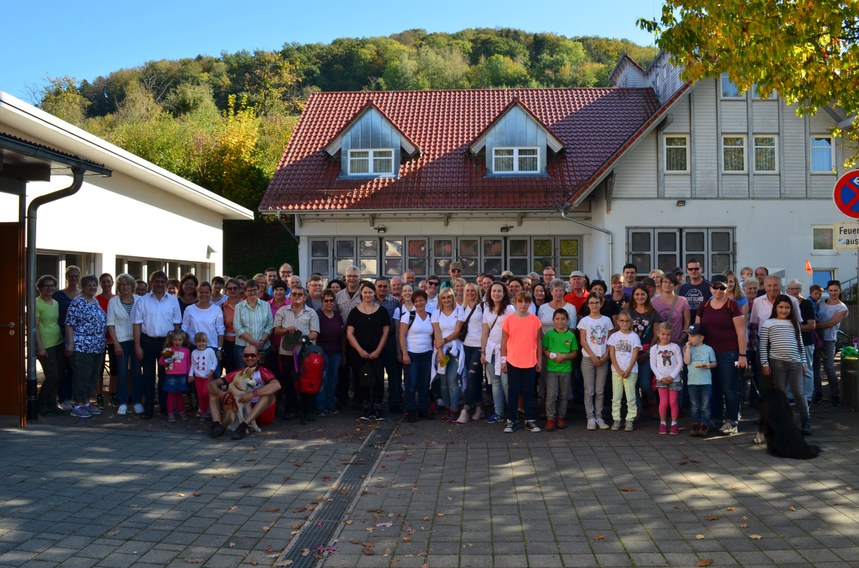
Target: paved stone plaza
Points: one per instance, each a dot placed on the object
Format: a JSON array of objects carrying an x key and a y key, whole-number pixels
[{"x": 116, "y": 491}]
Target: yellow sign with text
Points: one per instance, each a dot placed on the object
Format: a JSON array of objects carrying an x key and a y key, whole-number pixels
[{"x": 846, "y": 236}]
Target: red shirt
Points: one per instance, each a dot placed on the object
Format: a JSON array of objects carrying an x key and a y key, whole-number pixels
[{"x": 577, "y": 301}]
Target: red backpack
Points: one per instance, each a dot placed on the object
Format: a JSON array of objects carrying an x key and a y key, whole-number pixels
[{"x": 311, "y": 370}]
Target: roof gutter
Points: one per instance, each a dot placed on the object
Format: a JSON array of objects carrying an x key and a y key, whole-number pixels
[
  {"x": 595, "y": 228},
  {"x": 32, "y": 209}
]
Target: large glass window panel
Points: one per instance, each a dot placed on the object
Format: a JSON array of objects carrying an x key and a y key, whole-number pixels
[
  {"x": 519, "y": 266},
  {"x": 442, "y": 247},
  {"x": 542, "y": 247},
  {"x": 502, "y": 161},
  {"x": 676, "y": 154},
  {"x": 695, "y": 241},
  {"x": 393, "y": 247},
  {"x": 318, "y": 249},
  {"x": 345, "y": 248},
  {"x": 417, "y": 248},
  {"x": 666, "y": 241},
  {"x": 393, "y": 266},
  {"x": 518, "y": 247},
  {"x": 369, "y": 267},
  {"x": 469, "y": 247},
  {"x": 765, "y": 154},
  {"x": 729, "y": 89},
  {"x": 733, "y": 153},
  {"x": 319, "y": 266},
  {"x": 492, "y": 266},
  {"x": 528, "y": 160},
  {"x": 493, "y": 247},
  {"x": 569, "y": 247},
  {"x": 639, "y": 241},
  {"x": 369, "y": 247},
  {"x": 567, "y": 266},
  {"x": 642, "y": 261},
  {"x": 720, "y": 241},
  {"x": 418, "y": 266},
  {"x": 343, "y": 264},
  {"x": 469, "y": 266},
  {"x": 359, "y": 162}
]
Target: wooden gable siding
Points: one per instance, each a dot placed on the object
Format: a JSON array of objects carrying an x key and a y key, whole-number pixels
[
  {"x": 370, "y": 131},
  {"x": 516, "y": 129}
]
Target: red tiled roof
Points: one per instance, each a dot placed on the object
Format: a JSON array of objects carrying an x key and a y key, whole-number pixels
[{"x": 593, "y": 124}]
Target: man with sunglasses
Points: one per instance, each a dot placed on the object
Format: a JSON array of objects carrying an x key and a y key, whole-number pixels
[
  {"x": 262, "y": 396},
  {"x": 433, "y": 284},
  {"x": 696, "y": 290}
]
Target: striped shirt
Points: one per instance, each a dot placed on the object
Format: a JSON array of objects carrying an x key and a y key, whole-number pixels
[
  {"x": 253, "y": 321},
  {"x": 778, "y": 340}
]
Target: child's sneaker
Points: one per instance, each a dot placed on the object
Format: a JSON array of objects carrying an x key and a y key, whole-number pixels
[
  {"x": 508, "y": 429},
  {"x": 615, "y": 426},
  {"x": 629, "y": 426},
  {"x": 171, "y": 417},
  {"x": 601, "y": 423},
  {"x": 531, "y": 426},
  {"x": 550, "y": 425},
  {"x": 561, "y": 423},
  {"x": 675, "y": 429},
  {"x": 592, "y": 424},
  {"x": 493, "y": 418},
  {"x": 663, "y": 428}
]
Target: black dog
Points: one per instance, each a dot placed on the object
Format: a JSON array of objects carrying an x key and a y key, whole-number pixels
[{"x": 778, "y": 426}]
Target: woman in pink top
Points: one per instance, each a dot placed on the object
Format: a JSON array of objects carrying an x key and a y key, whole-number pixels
[{"x": 520, "y": 359}]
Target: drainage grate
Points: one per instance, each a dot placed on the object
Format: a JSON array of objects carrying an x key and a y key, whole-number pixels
[{"x": 320, "y": 527}]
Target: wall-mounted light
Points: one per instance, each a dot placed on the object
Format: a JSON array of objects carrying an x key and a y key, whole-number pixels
[
  {"x": 506, "y": 228},
  {"x": 381, "y": 229},
  {"x": 681, "y": 203}
]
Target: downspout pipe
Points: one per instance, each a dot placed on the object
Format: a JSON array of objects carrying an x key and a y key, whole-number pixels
[
  {"x": 595, "y": 228},
  {"x": 29, "y": 293}
]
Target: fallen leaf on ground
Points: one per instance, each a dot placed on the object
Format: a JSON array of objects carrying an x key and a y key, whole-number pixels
[
  {"x": 699, "y": 537},
  {"x": 744, "y": 526},
  {"x": 712, "y": 518},
  {"x": 305, "y": 551},
  {"x": 349, "y": 522},
  {"x": 196, "y": 493},
  {"x": 627, "y": 489},
  {"x": 755, "y": 536},
  {"x": 194, "y": 560},
  {"x": 384, "y": 524},
  {"x": 792, "y": 509},
  {"x": 283, "y": 563},
  {"x": 439, "y": 514},
  {"x": 368, "y": 550},
  {"x": 180, "y": 494},
  {"x": 266, "y": 529},
  {"x": 731, "y": 509},
  {"x": 296, "y": 526},
  {"x": 407, "y": 539},
  {"x": 735, "y": 487},
  {"x": 425, "y": 518},
  {"x": 599, "y": 537},
  {"x": 232, "y": 545},
  {"x": 704, "y": 562},
  {"x": 233, "y": 508}
]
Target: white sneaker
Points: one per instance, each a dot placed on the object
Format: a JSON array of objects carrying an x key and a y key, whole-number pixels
[
  {"x": 510, "y": 427},
  {"x": 138, "y": 408},
  {"x": 601, "y": 423},
  {"x": 463, "y": 417},
  {"x": 531, "y": 426},
  {"x": 728, "y": 428},
  {"x": 615, "y": 426},
  {"x": 122, "y": 410},
  {"x": 629, "y": 426},
  {"x": 592, "y": 424}
]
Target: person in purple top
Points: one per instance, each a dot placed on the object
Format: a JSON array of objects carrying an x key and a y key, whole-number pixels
[{"x": 331, "y": 334}]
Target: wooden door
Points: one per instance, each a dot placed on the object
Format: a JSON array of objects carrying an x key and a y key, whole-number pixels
[{"x": 12, "y": 379}]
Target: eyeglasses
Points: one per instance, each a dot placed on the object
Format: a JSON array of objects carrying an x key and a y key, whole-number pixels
[
  {"x": 432, "y": 283},
  {"x": 691, "y": 268},
  {"x": 296, "y": 295},
  {"x": 249, "y": 355},
  {"x": 326, "y": 300},
  {"x": 719, "y": 287},
  {"x": 456, "y": 270}
]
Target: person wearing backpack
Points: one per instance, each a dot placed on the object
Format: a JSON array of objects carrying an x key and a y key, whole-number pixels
[{"x": 291, "y": 323}]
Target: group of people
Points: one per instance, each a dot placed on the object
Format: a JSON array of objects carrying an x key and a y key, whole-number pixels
[{"x": 487, "y": 350}]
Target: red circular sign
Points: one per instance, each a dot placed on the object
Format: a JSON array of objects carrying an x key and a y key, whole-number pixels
[{"x": 846, "y": 194}]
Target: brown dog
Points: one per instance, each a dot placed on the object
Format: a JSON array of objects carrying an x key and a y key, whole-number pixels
[{"x": 236, "y": 411}]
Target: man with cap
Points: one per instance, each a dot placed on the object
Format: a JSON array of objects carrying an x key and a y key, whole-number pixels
[{"x": 577, "y": 295}]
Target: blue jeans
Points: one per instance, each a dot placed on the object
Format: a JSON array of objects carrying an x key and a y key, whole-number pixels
[
  {"x": 699, "y": 401},
  {"x": 726, "y": 384},
  {"x": 499, "y": 386},
  {"x": 325, "y": 398},
  {"x": 450, "y": 384},
  {"x": 418, "y": 381},
  {"x": 521, "y": 381},
  {"x": 808, "y": 379},
  {"x": 151, "y": 347},
  {"x": 129, "y": 357},
  {"x": 829, "y": 368},
  {"x": 645, "y": 384},
  {"x": 474, "y": 374}
]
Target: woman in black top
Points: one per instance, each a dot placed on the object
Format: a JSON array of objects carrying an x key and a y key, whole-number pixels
[{"x": 367, "y": 330}]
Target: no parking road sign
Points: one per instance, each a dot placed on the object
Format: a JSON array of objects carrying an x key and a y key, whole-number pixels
[{"x": 846, "y": 194}]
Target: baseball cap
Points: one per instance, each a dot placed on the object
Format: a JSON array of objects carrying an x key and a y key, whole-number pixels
[
  {"x": 695, "y": 329},
  {"x": 577, "y": 273}
]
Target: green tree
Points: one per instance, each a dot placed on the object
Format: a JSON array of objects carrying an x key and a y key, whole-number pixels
[
  {"x": 500, "y": 71},
  {"x": 806, "y": 50},
  {"x": 62, "y": 98}
]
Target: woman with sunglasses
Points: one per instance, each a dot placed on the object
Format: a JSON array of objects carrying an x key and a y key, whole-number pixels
[
  {"x": 234, "y": 296},
  {"x": 331, "y": 340},
  {"x": 725, "y": 329}
]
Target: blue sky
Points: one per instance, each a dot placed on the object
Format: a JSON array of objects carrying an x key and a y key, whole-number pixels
[{"x": 88, "y": 38}]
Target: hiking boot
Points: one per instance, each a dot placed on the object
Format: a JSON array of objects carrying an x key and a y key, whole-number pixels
[
  {"x": 217, "y": 430},
  {"x": 240, "y": 432}
]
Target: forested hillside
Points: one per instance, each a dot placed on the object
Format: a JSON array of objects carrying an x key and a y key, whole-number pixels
[{"x": 223, "y": 122}]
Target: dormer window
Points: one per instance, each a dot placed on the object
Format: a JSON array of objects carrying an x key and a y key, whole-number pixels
[
  {"x": 515, "y": 160},
  {"x": 371, "y": 162}
]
